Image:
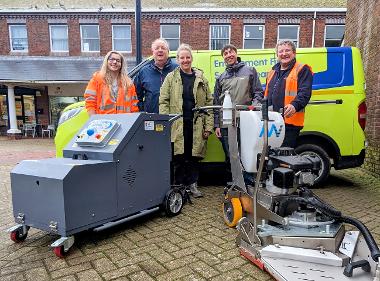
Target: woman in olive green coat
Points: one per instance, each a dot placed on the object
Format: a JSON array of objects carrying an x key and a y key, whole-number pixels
[{"x": 183, "y": 89}]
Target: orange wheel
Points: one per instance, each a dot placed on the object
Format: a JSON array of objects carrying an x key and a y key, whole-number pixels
[{"x": 232, "y": 211}]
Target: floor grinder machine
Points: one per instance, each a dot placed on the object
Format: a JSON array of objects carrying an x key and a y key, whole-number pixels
[
  {"x": 116, "y": 169},
  {"x": 283, "y": 227}
]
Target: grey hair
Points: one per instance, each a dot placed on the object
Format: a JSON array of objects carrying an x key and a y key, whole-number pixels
[
  {"x": 286, "y": 42},
  {"x": 184, "y": 47},
  {"x": 161, "y": 40}
]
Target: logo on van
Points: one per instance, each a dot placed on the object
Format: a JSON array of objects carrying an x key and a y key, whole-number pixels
[{"x": 273, "y": 129}]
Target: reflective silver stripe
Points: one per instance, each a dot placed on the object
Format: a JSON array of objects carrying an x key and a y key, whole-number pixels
[
  {"x": 128, "y": 109},
  {"x": 127, "y": 98},
  {"x": 90, "y": 92},
  {"x": 90, "y": 98},
  {"x": 108, "y": 106},
  {"x": 291, "y": 93},
  {"x": 120, "y": 107}
]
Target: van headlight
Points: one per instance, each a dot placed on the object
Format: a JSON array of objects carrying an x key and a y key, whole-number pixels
[{"x": 69, "y": 114}]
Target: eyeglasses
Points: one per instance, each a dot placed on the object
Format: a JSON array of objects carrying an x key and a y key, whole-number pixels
[{"x": 114, "y": 60}]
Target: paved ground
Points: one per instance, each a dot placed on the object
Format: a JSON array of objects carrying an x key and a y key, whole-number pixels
[{"x": 195, "y": 245}]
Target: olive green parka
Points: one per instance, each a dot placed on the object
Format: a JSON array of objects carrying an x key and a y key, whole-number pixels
[{"x": 170, "y": 102}]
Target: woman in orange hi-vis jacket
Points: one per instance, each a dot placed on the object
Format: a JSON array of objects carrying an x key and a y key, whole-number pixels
[{"x": 110, "y": 90}]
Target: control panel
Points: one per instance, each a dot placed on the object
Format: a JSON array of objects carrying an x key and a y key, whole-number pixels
[{"x": 97, "y": 133}]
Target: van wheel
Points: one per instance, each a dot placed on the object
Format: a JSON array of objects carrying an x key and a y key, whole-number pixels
[{"x": 314, "y": 150}]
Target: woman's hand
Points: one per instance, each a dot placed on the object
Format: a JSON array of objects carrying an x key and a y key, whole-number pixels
[{"x": 206, "y": 134}]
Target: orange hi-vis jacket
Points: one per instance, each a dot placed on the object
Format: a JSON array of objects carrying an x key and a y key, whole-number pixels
[
  {"x": 98, "y": 97},
  {"x": 291, "y": 89}
]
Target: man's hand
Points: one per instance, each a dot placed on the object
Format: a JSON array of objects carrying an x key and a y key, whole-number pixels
[
  {"x": 289, "y": 110},
  {"x": 218, "y": 133},
  {"x": 90, "y": 112}
]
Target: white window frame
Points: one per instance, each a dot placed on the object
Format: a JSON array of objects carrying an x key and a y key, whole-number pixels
[
  {"x": 51, "y": 38},
  {"x": 327, "y": 25},
  {"x": 81, "y": 38},
  {"x": 113, "y": 37},
  {"x": 258, "y": 25},
  {"x": 10, "y": 38},
  {"x": 298, "y": 33},
  {"x": 179, "y": 33},
  {"x": 229, "y": 34}
]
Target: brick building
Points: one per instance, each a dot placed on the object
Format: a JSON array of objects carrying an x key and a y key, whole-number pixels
[
  {"x": 55, "y": 36},
  {"x": 366, "y": 15}
]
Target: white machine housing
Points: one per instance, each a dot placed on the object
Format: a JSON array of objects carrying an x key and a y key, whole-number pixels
[{"x": 251, "y": 136}]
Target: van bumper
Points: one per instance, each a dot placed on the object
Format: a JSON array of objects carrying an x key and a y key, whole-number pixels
[{"x": 345, "y": 162}]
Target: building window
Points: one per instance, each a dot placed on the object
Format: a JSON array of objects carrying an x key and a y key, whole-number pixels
[
  {"x": 219, "y": 36},
  {"x": 288, "y": 32},
  {"x": 18, "y": 38},
  {"x": 59, "y": 38},
  {"x": 334, "y": 35},
  {"x": 121, "y": 38},
  {"x": 170, "y": 32},
  {"x": 90, "y": 38},
  {"x": 253, "y": 36}
]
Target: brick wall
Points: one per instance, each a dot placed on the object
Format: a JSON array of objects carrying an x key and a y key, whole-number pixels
[
  {"x": 150, "y": 30},
  {"x": 306, "y": 33},
  {"x": 4, "y": 38},
  {"x": 38, "y": 37},
  {"x": 105, "y": 34},
  {"x": 237, "y": 29},
  {"x": 363, "y": 31},
  {"x": 319, "y": 37},
  {"x": 74, "y": 37},
  {"x": 198, "y": 40},
  {"x": 271, "y": 26}
]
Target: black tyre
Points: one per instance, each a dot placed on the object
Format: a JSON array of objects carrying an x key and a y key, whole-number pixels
[
  {"x": 173, "y": 202},
  {"x": 315, "y": 150}
]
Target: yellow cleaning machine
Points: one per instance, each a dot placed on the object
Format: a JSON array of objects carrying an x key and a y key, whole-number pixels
[
  {"x": 117, "y": 168},
  {"x": 284, "y": 228}
]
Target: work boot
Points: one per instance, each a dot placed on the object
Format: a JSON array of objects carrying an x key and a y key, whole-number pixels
[{"x": 194, "y": 190}]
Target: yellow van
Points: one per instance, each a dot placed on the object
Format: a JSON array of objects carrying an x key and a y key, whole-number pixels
[{"x": 333, "y": 132}]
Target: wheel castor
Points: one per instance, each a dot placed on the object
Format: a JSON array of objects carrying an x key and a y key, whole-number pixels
[
  {"x": 19, "y": 234},
  {"x": 60, "y": 251},
  {"x": 173, "y": 202},
  {"x": 232, "y": 211}
]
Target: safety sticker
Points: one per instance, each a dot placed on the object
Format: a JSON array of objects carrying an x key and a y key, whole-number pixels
[
  {"x": 113, "y": 142},
  {"x": 159, "y": 127},
  {"x": 149, "y": 125}
]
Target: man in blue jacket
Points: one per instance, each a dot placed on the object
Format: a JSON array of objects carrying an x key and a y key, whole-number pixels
[{"x": 150, "y": 78}]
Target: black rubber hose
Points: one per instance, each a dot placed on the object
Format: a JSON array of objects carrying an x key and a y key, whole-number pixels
[{"x": 337, "y": 215}]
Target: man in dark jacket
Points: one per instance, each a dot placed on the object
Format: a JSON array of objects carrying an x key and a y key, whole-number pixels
[
  {"x": 150, "y": 78},
  {"x": 289, "y": 85},
  {"x": 243, "y": 85}
]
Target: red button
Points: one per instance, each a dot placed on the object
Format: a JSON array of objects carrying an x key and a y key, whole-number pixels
[{"x": 98, "y": 136}]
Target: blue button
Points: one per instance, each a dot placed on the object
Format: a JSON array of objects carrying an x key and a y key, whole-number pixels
[{"x": 90, "y": 132}]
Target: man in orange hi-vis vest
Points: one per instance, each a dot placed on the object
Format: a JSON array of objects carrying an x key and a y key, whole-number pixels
[
  {"x": 288, "y": 86},
  {"x": 110, "y": 90}
]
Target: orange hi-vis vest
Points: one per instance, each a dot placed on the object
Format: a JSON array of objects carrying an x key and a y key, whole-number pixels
[
  {"x": 98, "y": 97},
  {"x": 291, "y": 89}
]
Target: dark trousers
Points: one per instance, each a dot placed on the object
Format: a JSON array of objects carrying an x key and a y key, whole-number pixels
[
  {"x": 224, "y": 140},
  {"x": 186, "y": 166},
  {"x": 291, "y": 135}
]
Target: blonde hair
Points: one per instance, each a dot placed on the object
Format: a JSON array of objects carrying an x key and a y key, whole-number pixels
[
  {"x": 122, "y": 78},
  {"x": 184, "y": 47}
]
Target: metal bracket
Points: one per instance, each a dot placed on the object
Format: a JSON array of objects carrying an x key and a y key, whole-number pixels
[
  {"x": 20, "y": 218},
  {"x": 66, "y": 242},
  {"x": 22, "y": 228},
  {"x": 53, "y": 225}
]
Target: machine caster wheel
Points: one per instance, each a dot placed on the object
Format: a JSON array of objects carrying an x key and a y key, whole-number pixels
[
  {"x": 17, "y": 236},
  {"x": 232, "y": 211},
  {"x": 60, "y": 251},
  {"x": 173, "y": 202}
]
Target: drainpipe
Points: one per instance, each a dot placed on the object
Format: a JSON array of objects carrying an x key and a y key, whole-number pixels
[
  {"x": 13, "y": 130},
  {"x": 312, "y": 39},
  {"x": 138, "y": 31}
]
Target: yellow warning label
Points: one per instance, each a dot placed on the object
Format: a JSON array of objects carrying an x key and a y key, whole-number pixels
[
  {"x": 159, "y": 127},
  {"x": 113, "y": 142}
]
